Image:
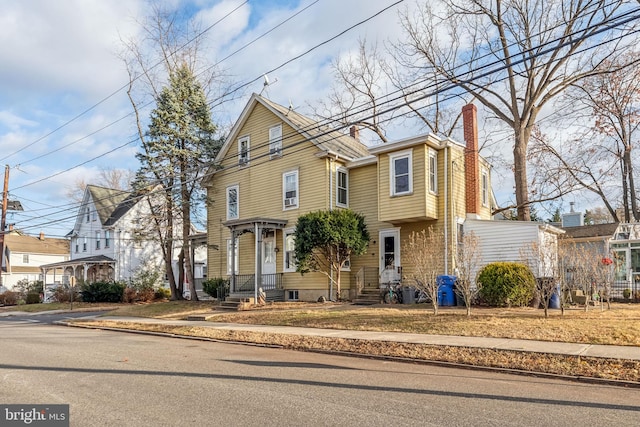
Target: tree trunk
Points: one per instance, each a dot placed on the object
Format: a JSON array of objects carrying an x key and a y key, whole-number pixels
[
  {"x": 338, "y": 293},
  {"x": 186, "y": 230},
  {"x": 520, "y": 175},
  {"x": 632, "y": 189}
]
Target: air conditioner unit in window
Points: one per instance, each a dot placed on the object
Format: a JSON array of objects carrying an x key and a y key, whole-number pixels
[
  {"x": 242, "y": 161},
  {"x": 290, "y": 201}
]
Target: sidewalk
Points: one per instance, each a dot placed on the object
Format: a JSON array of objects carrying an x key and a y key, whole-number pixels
[{"x": 572, "y": 349}]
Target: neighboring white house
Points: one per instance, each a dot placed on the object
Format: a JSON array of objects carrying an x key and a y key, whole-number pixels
[
  {"x": 24, "y": 254},
  {"x": 533, "y": 243},
  {"x": 111, "y": 241}
]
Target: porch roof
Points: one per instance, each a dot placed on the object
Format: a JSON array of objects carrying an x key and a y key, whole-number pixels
[
  {"x": 92, "y": 260},
  {"x": 248, "y": 224}
]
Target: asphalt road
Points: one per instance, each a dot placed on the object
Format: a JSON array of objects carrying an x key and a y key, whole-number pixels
[{"x": 122, "y": 379}]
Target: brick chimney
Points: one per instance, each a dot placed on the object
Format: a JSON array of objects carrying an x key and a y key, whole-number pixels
[
  {"x": 354, "y": 132},
  {"x": 471, "y": 160}
]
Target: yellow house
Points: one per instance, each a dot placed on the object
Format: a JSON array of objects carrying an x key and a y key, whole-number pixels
[{"x": 277, "y": 165}]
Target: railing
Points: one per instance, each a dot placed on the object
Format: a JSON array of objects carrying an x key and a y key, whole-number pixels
[
  {"x": 245, "y": 283},
  {"x": 367, "y": 277}
]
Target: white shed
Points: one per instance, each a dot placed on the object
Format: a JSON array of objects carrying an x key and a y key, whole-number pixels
[{"x": 534, "y": 243}]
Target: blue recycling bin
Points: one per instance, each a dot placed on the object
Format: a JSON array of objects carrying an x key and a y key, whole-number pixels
[{"x": 446, "y": 294}]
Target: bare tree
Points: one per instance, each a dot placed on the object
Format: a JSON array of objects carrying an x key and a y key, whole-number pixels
[
  {"x": 468, "y": 257},
  {"x": 117, "y": 179},
  {"x": 542, "y": 259},
  {"x": 515, "y": 56},
  {"x": 423, "y": 253}
]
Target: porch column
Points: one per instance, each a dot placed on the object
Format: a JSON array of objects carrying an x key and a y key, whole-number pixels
[
  {"x": 232, "y": 283},
  {"x": 258, "y": 269}
]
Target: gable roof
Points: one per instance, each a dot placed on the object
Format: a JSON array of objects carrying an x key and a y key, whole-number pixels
[
  {"x": 593, "y": 231},
  {"x": 22, "y": 243},
  {"x": 323, "y": 137},
  {"x": 107, "y": 202}
]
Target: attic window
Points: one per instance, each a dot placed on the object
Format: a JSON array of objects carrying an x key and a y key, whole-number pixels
[
  {"x": 275, "y": 141},
  {"x": 88, "y": 214},
  {"x": 94, "y": 215},
  {"x": 243, "y": 151}
]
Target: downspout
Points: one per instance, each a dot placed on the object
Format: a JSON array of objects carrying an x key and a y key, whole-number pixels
[
  {"x": 446, "y": 208},
  {"x": 331, "y": 162}
]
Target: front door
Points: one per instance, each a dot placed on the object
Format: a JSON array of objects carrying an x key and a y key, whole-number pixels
[
  {"x": 268, "y": 257},
  {"x": 390, "y": 255}
]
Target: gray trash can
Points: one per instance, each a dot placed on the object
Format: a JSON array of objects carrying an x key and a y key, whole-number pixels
[{"x": 408, "y": 295}]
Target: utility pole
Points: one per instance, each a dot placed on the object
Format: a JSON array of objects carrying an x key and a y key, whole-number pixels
[{"x": 5, "y": 195}]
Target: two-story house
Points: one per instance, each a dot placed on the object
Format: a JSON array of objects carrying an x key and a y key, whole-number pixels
[
  {"x": 277, "y": 164},
  {"x": 104, "y": 245},
  {"x": 24, "y": 254}
]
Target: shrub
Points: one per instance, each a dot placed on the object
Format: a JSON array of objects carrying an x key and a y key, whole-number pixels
[
  {"x": 508, "y": 284},
  {"x": 63, "y": 294},
  {"x": 216, "y": 287},
  {"x": 32, "y": 298},
  {"x": 163, "y": 293},
  {"x": 9, "y": 298},
  {"x": 103, "y": 292}
]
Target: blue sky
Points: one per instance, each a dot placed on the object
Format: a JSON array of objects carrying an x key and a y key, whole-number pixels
[{"x": 59, "y": 59}]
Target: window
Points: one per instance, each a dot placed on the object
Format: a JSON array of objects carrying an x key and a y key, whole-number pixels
[
  {"x": 401, "y": 173},
  {"x": 289, "y": 250},
  {"x": 292, "y": 295},
  {"x": 235, "y": 256},
  {"x": 88, "y": 211},
  {"x": 232, "y": 202},
  {"x": 485, "y": 188},
  {"x": 347, "y": 265},
  {"x": 342, "y": 190},
  {"x": 433, "y": 171},
  {"x": 107, "y": 238},
  {"x": 243, "y": 151},
  {"x": 290, "y": 189},
  {"x": 77, "y": 244},
  {"x": 275, "y": 141},
  {"x": 84, "y": 244},
  {"x": 25, "y": 258},
  {"x": 94, "y": 215},
  {"x": 98, "y": 237}
]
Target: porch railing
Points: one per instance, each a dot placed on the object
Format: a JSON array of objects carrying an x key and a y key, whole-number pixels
[{"x": 245, "y": 283}]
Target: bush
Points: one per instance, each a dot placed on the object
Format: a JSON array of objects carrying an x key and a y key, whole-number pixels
[
  {"x": 216, "y": 287},
  {"x": 163, "y": 293},
  {"x": 508, "y": 284},
  {"x": 9, "y": 298},
  {"x": 32, "y": 298},
  {"x": 64, "y": 293},
  {"x": 103, "y": 292}
]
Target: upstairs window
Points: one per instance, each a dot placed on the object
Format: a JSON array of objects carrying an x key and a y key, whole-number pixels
[
  {"x": 77, "y": 244},
  {"x": 484, "y": 190},
  {"x": 98, "y": 237},
  {"x": 25, "y": 258},
  {"x": 232, "y": 202},
  {"x": 84, "y": 244},
  {"x": 107, "y": 238},
  {"x": 290, "y": 189},
  {"x": 342, "y": 188},
  {"x": 433, "y": 171},
  {"x": 88, "y": 214},
  {"x": 243, "y": 151},
  {"x": 401, "y": 170},
  {"x": 275, "y": 141}
]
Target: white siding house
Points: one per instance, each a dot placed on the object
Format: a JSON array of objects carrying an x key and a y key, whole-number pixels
[{"x": 533, "y": 243}]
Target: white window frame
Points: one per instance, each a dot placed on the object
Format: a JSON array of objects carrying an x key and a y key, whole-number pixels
[
  {"x": 484, "y": 187},
  {"x": 290, "y": 202},
  {"x": 237, "y": 252},
  {"x": 77, "y": 244},
  {"x": 347, "y": 265},
  {"x": 433, "y": 171},
  {"x": 393, "y": 157},
  {"x": 98, "y": 237},
  {"x": 107, "y": 238},
  {"x": 88, "y": 213},
  {"x": 293, "y": 295},
  {"x": 25, "y": 258},
  {"x": 237, "y": 202},
  {"x": 289, "y": 253},
  {"x": 244, "y": 155},
  {"x": 345, "y": 188},
  {"x": 84, "y": 243},
  {"x": 275, "y": 141}
]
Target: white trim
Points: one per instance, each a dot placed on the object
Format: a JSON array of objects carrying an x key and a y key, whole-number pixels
[
  {"x": 235, "y": 187},
  {"x": 244, "y": 160},
  {"x": 275, "y": 142},
  {"x": 290, "y": 202},
  {"x": 484, "y": 187},
  {"x": 292, "y": 267},
  {"x": 393, "y": 157},
  {"x": 345, "y": 171},
  {"x": 433, "y": 174}
]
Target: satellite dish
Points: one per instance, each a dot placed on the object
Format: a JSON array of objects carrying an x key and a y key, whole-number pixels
[{"x": 266, "y": 82}]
